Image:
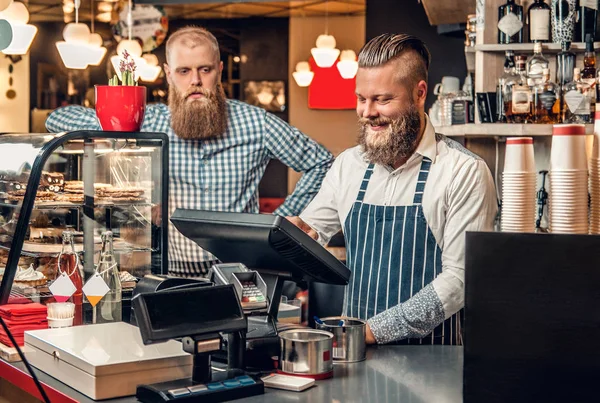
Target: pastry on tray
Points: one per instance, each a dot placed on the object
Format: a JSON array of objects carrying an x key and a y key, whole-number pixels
[{"x": 28, "y": 277}]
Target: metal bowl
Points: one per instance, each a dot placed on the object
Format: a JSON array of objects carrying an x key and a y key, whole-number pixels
[
  {"x": 306, "y": 352},
  {"x": 349, "y": 338}
]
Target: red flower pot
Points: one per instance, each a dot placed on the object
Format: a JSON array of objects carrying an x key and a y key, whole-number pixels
[{"x": 120, "y": 108}]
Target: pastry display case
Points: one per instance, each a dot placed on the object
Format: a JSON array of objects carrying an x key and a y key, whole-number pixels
[{"x": 85, "y": 182}]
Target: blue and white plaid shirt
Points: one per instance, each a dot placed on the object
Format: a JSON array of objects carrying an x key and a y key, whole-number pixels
[{"x": 220, "y": 174}]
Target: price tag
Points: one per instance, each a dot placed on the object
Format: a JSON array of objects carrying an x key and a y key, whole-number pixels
[
  {"x": 62, "y": 288},
  {"x": 95, "y": 289}
]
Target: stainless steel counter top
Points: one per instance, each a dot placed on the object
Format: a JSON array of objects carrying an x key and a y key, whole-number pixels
[{"x": 389, "y": 374}]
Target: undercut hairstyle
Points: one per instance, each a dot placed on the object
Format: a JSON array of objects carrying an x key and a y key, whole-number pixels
[
  {"x": 192, "y": 36},
  {"x": 386, "y": 48}
]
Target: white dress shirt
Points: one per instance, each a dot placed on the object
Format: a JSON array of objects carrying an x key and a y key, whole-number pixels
[{"x": 459, "y": 196}]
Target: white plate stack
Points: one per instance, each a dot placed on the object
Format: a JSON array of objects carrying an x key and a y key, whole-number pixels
[
  {"x": 568, "y": 180},
  {"x": 518, "y": 186},
  {"x": 594, "y": 177}
]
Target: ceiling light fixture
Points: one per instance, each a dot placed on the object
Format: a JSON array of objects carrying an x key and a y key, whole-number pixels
[
  {"x": 303, "y": 76},
  {"x": 17, "y": 16},
  {"x": 347, "y": 66}
]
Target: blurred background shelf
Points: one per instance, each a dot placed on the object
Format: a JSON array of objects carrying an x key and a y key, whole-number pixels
[{"x": 500, "y": 129}]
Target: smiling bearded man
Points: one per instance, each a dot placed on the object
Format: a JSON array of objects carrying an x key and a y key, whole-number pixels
[{"x": 403, "y": 198}]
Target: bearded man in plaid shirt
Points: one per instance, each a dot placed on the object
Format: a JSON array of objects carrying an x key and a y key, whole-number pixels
[{"x": 219, "y": 148}]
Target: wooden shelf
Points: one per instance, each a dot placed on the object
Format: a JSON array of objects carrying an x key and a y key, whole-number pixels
[
  {"x": 576, "y": 47},
  {"x": 500, "y": 129}
]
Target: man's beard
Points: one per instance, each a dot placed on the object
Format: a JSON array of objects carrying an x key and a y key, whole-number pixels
[
  {"x": 200, "y": 119},
  {"x": 398, "y": 141}
]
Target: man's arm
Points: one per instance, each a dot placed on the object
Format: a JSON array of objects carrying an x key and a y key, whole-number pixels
[
  {"x": 472, "y": 206},
  {"x": 302, "y": 154},
  {"x": 75, "y": 117}
]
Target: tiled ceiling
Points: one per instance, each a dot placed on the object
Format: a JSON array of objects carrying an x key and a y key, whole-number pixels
[{"x": 104, "y": 11}]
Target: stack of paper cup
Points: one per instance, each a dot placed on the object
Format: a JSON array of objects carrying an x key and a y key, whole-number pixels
[
  {"x": 568, "y": 180},
  {"x": 594, "y": 177},
  {"x": 518, "y": 186}
]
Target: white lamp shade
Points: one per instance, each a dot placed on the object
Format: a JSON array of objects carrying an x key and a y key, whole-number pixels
[
  {"x": 326, "y": 41},
  {"x": 4, "y": 4},
  {"x": 325, "y": 57},
  {"x": 15, "y": 13},
  {"x": 132, "y": 46},
  {"x": 23, "y": 35},
  {"x": 303, "y": 78},
  {"x": 151, "y": 59},
  {"x": 149, "y": 73},
  {"x": 96, "y": 55},
  {"x": 347, "y": 68},
  {"x": 74, "y": 55},
  {"x": 76, "y": 33},
  {"x": 302, "y": 66},
  {"x": 95, "y": 40}
]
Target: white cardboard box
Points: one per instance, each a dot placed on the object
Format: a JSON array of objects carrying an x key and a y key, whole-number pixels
[{"x": 106, "y": 360}]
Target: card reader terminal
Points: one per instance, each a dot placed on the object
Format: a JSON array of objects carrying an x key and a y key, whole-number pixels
[{"x": 248, "y": 284}]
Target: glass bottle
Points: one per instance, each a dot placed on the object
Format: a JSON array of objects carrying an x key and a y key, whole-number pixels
[
  {"x": 68, "y": 263},
  {"x": 510, "y": 23},
  {"x": 587, "y": 14},
  {"x": 539, "y": 21},
  {"x": 536, "y": 64},
  {"x": 588, "y": 74},
  {"x": 509, "y": 75},
  {"x": 565, "y": 63},
  {"x": 518, "y": 95},
  {"x": 110, "y": 306},
  {"x": 546, "y": 102},
  {"x": 563, "y": 14},
  {"x": 577, "y": 100}
]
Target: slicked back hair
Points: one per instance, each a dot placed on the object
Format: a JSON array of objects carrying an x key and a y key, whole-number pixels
[
  {"x": 193, "y": 36},
  {"x": 389, "y": 47}
]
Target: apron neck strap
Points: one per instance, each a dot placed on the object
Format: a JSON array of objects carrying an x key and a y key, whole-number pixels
[
  {"x": 423, "y": 174},
  {"x": 365, "y": 183}
]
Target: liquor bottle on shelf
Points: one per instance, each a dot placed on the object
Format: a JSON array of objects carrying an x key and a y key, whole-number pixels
[
  {"x": 509, "y": 75},
  {"x": 69, "y": 264},
  {"x": 536, "y": 64},
  {"x": 577, "y": 100},
  {"x": 539, "y": 21},
  {"x": 563, "y": 15},
  {"x": 565, "y": 63},
  {"x": 517, "y": 98},
  {"x": 110, "y": 306},
  {"x": 588, "y": 74},
  {"x": 510, "y": 23},
  {"x": 587, "y": 14},
  {"x": 546, "y": 103}
]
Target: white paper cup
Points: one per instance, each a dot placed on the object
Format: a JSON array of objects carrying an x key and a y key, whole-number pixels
[
  {"x": 568, "y": 147},
  {"x": 519, "y": 155},
  {"x": 57, "y": 323}
]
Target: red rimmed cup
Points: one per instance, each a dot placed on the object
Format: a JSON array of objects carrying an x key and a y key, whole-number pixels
[
  {"x": 568, "y": 148},
  {"x": 120, "y": 108},
  {"x": 519, "y": 155}
]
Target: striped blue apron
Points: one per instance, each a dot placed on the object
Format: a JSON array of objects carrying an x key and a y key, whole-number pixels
[{"x": 392, "y": 254}]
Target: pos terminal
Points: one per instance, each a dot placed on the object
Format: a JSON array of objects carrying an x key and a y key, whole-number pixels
[
  {"x": 198, "y": 316},
  {"x": 258, "y": 252}
]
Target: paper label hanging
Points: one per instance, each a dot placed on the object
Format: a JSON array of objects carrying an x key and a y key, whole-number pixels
[
  {"x": 95, "y": 289},
  {"x": 62, "y": 288}
]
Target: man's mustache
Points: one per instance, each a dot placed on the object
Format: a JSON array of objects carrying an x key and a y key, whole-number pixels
[
  {"x": 380, "y": 121},
  {"x": 197, "y": 90}
]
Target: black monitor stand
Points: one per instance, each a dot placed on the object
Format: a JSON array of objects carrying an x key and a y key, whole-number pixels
[{"x": 207, "y": 313}]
